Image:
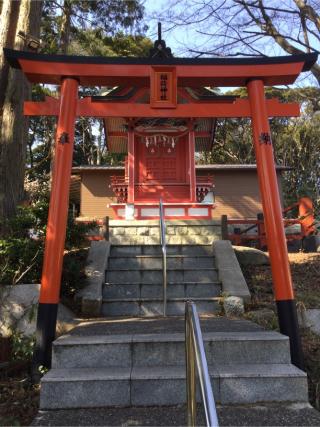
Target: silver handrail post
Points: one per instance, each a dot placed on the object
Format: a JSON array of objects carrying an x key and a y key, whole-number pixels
[
  {"x": 191, "y": 375},
  {"x": 196, "y": 360},
  {"x": 164, "y": 255}
]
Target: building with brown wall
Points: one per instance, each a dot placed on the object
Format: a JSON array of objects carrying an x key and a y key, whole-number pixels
[{"x": 236, "y": 189}]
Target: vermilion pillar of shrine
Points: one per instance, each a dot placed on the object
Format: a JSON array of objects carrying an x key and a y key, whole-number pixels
[
  {"x": 130, "y": 164},
  {"x": 192, "y": 169},
  {"x": 56, "y": 227},
  {"x": 283, "y": 289}
]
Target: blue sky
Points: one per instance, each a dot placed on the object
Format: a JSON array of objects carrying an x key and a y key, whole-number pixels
[{"x": 176, "y": 39}]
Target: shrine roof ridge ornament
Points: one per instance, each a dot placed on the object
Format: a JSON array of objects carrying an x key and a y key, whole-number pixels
[
  {"x": 15, "y": 56},
  {"x": 160, "y": 50}
]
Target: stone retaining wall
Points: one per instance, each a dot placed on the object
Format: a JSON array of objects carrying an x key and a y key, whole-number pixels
[{"x": 200, "y": 232}]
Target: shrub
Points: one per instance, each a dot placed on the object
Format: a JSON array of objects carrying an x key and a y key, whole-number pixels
[{"x": 22, "y": 244}]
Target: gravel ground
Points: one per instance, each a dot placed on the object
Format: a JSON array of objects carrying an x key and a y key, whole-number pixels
[{"x": 259, "y": 415}]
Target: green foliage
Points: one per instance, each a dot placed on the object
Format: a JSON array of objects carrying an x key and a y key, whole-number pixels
[
  {"x": 104, "y": 17},
  {"x": 22, "y": 346},
  {"x": 22, "y": 243},
  {"x": 100, "y": 28},
  {"x": 73, "y": 275},
  {"x": 21, "y": 258},
  {"x": 92, "y": 42},
  {"x": 296, "y": 142}
]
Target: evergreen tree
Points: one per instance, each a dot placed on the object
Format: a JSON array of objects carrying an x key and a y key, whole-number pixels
[
  {"x": 99, "y": 28},
  {"x": 17, "y": 17}
]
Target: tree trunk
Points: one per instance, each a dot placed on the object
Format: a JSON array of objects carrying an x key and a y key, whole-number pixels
[
  {"x": 8, "y": 25},
  {"x": 100, "y": 144},
  {"x": 65, "y": 27},
  {"x": 23, "y": 16}
]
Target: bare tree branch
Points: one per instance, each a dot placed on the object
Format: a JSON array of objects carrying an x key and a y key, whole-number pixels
[
  {"x": 275, "y": 9},
  {"x": 309, "y": 12},
  {"x": 239, "y": 27},
  {"x": 32, "y": 263}
]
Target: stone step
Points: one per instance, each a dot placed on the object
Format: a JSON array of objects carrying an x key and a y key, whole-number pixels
[
  {"x": 167, "y": 349},
  {"x": 153, "y": 290},
  {"x": 148, "y": 307},
  {"x": 155, "y": 275},
  {"x": 196, "y": 250},
  {"x": 150, "y": 386},
  {"x": 85, "y": 388},
  {"x": 149, "y": 262}
]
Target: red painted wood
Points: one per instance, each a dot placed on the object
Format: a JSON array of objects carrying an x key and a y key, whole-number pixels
[
  {"x": 39, "y": 71},
  {"x": 306, "y": 213},
  {"x": 158, "y": 98},
  {"x": 269, "y": 190},
  {"x": 59, "y": 198},
  {"x": 131, "y": 164},
  {"x": 140, "y": 206},
  {"x": 192, "y": 168},
  {"x": 200, "y": 134},
  {"x": 161, "y": 173},
  {"x": 240, "y": 108}
]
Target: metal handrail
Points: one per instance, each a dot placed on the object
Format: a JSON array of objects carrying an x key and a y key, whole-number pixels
[
  {"x": 164, "y": 255},
  {"x": 196, "y": 359}
]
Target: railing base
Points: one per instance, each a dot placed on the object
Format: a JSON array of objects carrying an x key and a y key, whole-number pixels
[{"x": 171, "y": 210}]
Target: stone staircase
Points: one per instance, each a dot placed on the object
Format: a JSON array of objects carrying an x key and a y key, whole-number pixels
[
  {"x": 134, "y": 280},
  {"x": 133, "y": 357},
  {"x": 142, "y": 363}
]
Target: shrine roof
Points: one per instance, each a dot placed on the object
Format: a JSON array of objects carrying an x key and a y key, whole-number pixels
[{"x": 212, "y": 167}]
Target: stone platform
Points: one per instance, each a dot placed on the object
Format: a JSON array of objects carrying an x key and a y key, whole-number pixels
[{"x": 146, "y": 232}]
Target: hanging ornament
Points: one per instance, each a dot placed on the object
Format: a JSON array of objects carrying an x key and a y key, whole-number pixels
[{"x": 160, "y": 141}]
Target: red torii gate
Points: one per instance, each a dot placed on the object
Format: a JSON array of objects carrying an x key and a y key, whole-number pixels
[{"x": 72, "y": 71}]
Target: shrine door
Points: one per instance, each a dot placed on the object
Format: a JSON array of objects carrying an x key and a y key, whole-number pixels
[{"x": 161, "y": 172}]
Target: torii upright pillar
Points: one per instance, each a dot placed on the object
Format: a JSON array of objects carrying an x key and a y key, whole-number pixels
[
  {"x": 56, "y": 227},
  {"x": 283, "y": 289}
]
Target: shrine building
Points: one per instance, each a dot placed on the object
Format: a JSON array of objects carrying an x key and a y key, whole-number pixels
[{"x": 100, "y": 191}]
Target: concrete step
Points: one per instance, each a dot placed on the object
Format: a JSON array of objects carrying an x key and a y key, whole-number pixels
[
  {"x": 155, "y": 275},
  {"x": 153, "y": 290},
  {"x": 148, "y": 307},
  {"x": 195, "y": 250},
  {"x": 156, "y": 386},
  {"x": 149, "y": 262},
  {"x": 167, "y": 349}
]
